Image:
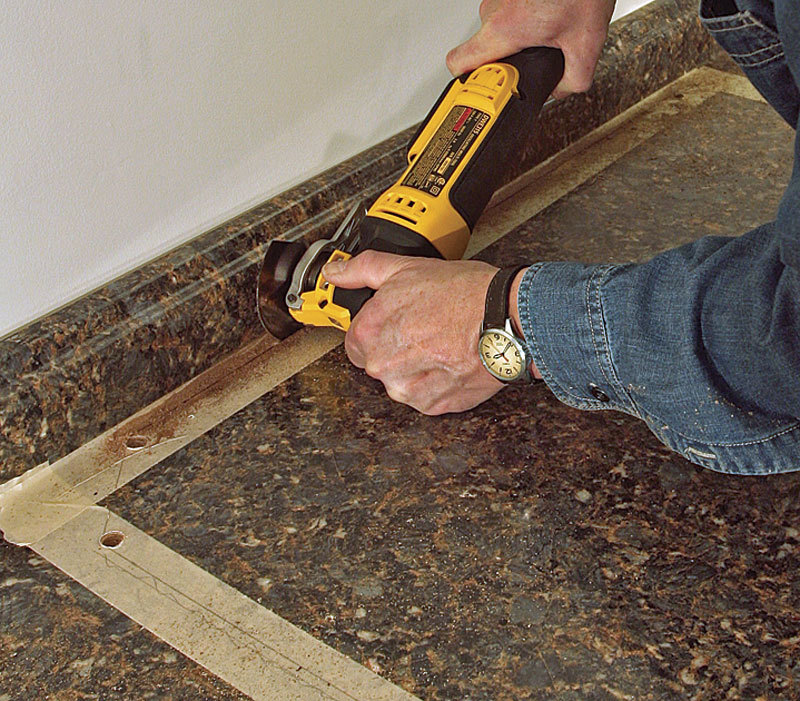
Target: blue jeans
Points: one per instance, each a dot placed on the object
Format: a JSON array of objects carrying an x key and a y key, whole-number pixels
[
  {"x": 747, "y": 30},
  {"x": 703, "y": 341}
]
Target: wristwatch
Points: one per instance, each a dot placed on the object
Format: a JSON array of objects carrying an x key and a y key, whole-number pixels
[{"x": 502, "y": 352}]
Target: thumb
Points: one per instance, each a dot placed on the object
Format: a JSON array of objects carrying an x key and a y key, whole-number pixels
[
  {"x": 482, "y": 47},
  {"x": 368, "y": 269}
]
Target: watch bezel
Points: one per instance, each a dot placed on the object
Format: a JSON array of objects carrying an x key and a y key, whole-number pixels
[{"x": 517, "y": 344}]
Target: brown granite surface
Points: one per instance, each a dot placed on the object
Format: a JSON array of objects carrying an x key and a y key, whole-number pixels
[
  {"x": 719, "y": 169},
  {"x": 75, "y": 373},
  {"x": 59, "y": 641},
  {"x": 523, "y": 550}
]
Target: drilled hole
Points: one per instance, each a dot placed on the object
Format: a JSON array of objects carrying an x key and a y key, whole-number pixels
[
  {"x": 112, "y": 539},
  {"x": 136, "y": 442}
]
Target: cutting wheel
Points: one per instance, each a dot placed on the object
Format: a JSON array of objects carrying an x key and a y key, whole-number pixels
[{"x": 273, "y": 283}]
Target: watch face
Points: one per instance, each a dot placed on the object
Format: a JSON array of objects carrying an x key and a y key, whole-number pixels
[{"x": 501, "y": 355}]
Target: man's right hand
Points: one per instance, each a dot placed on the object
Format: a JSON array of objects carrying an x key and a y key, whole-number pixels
[{"x": 577, "y": 27}]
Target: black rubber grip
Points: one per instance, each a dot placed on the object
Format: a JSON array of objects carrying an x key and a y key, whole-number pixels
[
  {"x": 352, "y": 299},
  {"x": 540, "y": 70},
  {"x": 378, "y": 234}
]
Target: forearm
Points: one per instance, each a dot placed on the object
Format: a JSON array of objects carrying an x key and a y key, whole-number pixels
[{"x": 702, "y": 342}]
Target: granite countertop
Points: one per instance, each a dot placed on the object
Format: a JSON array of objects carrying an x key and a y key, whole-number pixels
[{"x": 522, "y": 550}]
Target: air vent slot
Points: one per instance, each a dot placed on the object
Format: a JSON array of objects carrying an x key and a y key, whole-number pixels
[
  {"x": 405, "y": 207},
  {"x": 396, "y": 214},
  {"x": 481, "y": 90}
]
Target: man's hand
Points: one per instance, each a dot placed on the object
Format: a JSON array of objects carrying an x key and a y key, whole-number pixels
[
  {"x": 419, "y": 333},
  {"x": 577, "y": 27}
]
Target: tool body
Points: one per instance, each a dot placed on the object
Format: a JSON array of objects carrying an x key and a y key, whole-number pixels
[{"x": 456, "y": 161}]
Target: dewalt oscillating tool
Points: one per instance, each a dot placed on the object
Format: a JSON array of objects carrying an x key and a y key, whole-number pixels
[{"x": 456, "y": 161}]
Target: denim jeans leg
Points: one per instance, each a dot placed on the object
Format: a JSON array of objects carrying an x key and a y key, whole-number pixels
[{"x": 747, "y": 30}]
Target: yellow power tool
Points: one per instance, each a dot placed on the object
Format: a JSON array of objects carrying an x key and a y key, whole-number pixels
[{"x": 456, "y": 161}]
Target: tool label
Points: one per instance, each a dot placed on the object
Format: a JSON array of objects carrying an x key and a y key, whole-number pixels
[{"x": 444, "y": 152}]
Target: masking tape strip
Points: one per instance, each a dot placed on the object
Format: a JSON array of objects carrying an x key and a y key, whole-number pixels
[
  {"x": 251, "y": 648},
  {"x": 48, "y": 496},
  {"x": 52, "y": 507}
]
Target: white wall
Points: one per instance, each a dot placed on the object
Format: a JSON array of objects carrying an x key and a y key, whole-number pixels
[{"x": 126, "y": 128}]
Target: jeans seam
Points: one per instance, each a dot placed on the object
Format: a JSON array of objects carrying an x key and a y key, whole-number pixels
[
  {"x": 547, "y": 376},
  {"x": 614, "y": 381},
  {"x": 591, "y": 326},
  {"x": 758, "y": 64},
  {"x": 732, "y": 25},
  {"x": 545, "y": 371},
  {"x": 619, "y": 387},
  {"x": 740, "y": 444},
  {"x": 790, "y": 429},
  {"x": 742, "y": 20},
  {"x": 761, "y": 50}
]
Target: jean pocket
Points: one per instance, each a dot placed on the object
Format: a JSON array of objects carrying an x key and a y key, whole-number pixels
[
  {"x": 758, "y": 50},
  {"x": 749, "y": 41}
]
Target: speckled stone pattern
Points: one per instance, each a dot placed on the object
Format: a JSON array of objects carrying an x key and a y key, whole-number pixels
[
  {"x": 523, "y": 550},
  {"x": 59, "y": 641},
  {"x": 719, "y": 170},
  {"x": 75, "y": 373}
]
